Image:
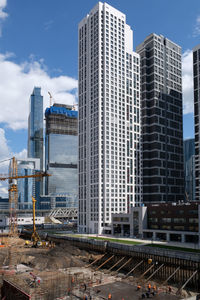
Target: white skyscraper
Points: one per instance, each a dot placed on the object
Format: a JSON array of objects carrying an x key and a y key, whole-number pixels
[{"x": 109, "y": 119}]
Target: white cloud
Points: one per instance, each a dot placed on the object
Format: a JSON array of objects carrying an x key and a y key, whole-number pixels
[
  {"x": 187, "y": 70},
  {"x": 16, "y": 85},
  {"x": 3, "y": 4},
  {"x": 197, "y": 27},
  {"x": 21, "y": 155},
  {"x": 3, "y": 14},
  {"x": 4, "y": 149}
]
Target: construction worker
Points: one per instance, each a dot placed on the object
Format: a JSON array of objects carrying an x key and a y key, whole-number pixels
[
  {"x": 154, "y": 288},
  {"x": 149, "y": 287},
  {"x": 138, "y": 287},
  {"x": 169, "y": 289},
  {"x": 109, "y": 296}
]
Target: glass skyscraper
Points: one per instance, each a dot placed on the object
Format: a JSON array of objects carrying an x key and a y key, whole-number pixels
[
  {"x": 28, "y": 187},
  {"x": 61, "y": 153},
  {"x": 189, "y": 169},
  {"x": 35, "y": 126}
]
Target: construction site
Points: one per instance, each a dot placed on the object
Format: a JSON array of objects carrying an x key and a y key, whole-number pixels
[
  {"x": 75, "y": 268},
  {"x": 40, "y": 265}
]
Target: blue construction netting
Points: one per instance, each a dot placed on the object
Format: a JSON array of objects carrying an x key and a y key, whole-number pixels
[{"x": 53, "y": 110}]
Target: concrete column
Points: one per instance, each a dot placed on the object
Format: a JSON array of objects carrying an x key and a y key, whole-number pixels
[
  {"x": 154, "y": 236},
  {"x": 182, "y": 238},
  {"x": 112, "y": 229},
  {"x": 122, "y": 230},
  {"x": 167, "y": 237},
  {"x": 131, "y": 231}
]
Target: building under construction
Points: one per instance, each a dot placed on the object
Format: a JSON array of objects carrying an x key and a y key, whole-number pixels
[{"x": 61, "y": 155}]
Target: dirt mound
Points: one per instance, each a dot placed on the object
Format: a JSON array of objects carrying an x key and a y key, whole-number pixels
[
  {"x": 52, "y": 259},
  {"x": 61, "y": 257}
]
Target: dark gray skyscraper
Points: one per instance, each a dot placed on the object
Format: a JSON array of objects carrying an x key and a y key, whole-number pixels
[
  {"x": 189, "y": 169},
  {"x": 161, "y": 101},
  {"x": 35, "y": 126},
  {"x": 196, "y": 73}
]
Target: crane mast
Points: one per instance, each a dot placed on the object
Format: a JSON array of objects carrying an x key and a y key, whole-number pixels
[
  {"x": 13, "y": 197},
  {"x": 12, "y": 178}
]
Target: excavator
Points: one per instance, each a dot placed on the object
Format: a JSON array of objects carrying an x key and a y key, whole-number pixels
[{"x": 35, "y": 238}]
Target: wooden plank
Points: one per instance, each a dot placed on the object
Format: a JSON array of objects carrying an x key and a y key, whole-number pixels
[
  {"x": 105, "y": 262},
  {"x": 96, "y": 260},
  {"x": 146, "y": 271},
  {"x": 193, "y": 274},
  {"x": 135, "y": 267},
  {"x": 171, "y": 276},
  {"x": 124, "y": 264},
  {"x": 154, "y": 272},
  {"x": 116, "y": 263}
]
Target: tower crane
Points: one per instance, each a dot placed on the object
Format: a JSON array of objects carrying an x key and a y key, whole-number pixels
[
  {"x": 12, "y": 178},
  {"x": 50, "y": 100}
]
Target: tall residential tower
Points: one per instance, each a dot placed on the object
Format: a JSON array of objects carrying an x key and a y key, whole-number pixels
[
  {"x": 162, "y": 126},
  {"x": 35, "y": 126},
  {"x": 109, "y": 119},
  {"x": 196, "y": 76}
]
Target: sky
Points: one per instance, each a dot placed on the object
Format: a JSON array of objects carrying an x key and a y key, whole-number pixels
[{"x": 39, "y": 47}]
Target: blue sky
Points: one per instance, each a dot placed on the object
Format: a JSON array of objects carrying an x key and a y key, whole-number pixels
[{"x": 38, "y": 46}]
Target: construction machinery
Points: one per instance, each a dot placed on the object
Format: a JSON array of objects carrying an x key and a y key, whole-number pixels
[
  {"x": 35, "y": 238},
  {"x": 12, "y": 178}
]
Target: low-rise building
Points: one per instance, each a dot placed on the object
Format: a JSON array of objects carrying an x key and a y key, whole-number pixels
[
  {"x": 165, "y": 222},
  {"x": 21, "y": 221}
]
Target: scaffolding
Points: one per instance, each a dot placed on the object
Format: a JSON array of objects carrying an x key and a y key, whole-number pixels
[{"x": 60, "y": 121}]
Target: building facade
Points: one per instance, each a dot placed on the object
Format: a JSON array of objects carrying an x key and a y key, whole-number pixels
[
  {"x": 61, "y": 153},
  {"x": 35, "y": 126},
  {"x": 109, "y": 119},
  {"x": 196, "y": 77},
  {"x": 189, "y": 169},
  {"x": 28, "y": 187},
  {"x": 171, "y": 222},
  {"x": 162, "y": 127}
]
